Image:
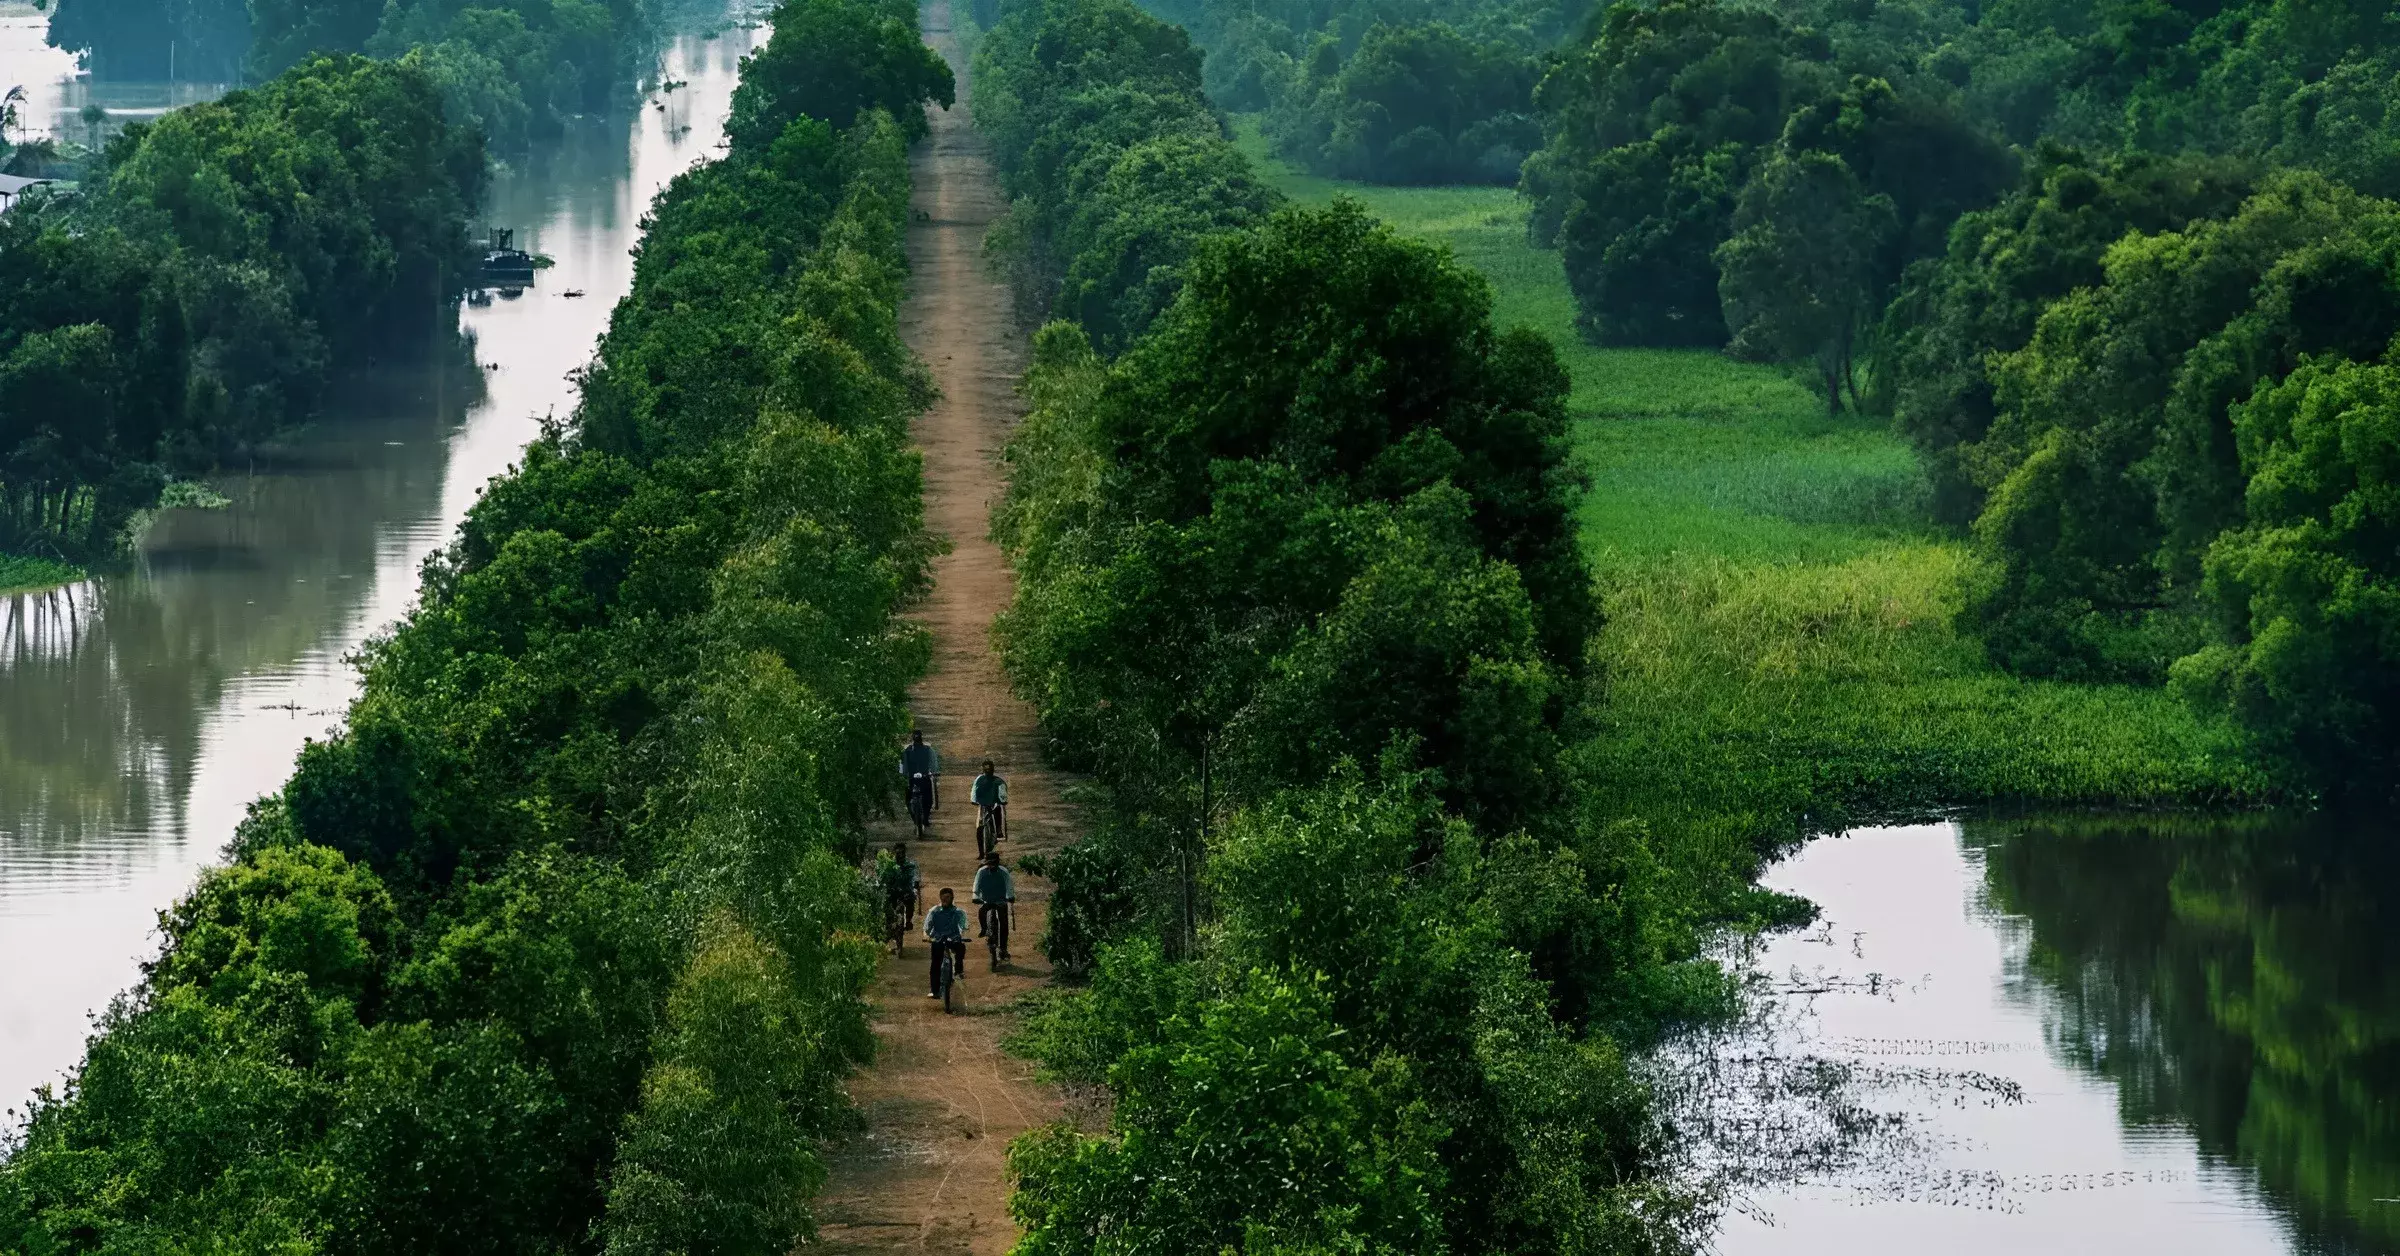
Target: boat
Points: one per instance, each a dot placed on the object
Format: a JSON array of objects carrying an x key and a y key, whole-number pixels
[{"x": 503, "y": 262}]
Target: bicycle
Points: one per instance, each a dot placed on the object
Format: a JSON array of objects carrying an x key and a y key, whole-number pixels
[
  {"x": 920, "y": 802},
  {"x": 990, "y": 828},
  {"x": 995, "y": 931},
  {"x": 950, "y": 977},
  {"x": 899, "y": 913}
]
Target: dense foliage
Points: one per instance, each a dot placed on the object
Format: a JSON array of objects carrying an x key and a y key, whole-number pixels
[
  {"x": 1297, "y": 583},
  {"x": 1720, "y": 174},
  {"x": 193, "y": 298},
  {"x": 548, "y": 949},
  {"x": 2088, "y": 353},
  {"x": 2169, "y": 441},
  {"x": 1392, "y": 93},
  {"x": 1112, "y": 158},
  {"x": 1419, "y": 103}
]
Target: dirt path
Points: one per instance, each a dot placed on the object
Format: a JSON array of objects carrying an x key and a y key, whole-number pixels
[{"x": 942, "y": 1101}]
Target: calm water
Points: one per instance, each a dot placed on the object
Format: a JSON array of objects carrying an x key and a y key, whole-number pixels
[
  {"x": 2078, "y": 1035},
  {"x": 140, "y": 714}
]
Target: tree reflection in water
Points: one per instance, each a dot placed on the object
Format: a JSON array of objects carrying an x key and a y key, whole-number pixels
[{"x": 2239, "y": 978}]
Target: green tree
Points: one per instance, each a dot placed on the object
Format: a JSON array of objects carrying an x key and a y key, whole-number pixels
[
  {"x": 1651, "y": 129},
  {"x": 2307, "y": 584},
  {"x": 824, "y": 62},
  {"x": 1797, "y": 278}
]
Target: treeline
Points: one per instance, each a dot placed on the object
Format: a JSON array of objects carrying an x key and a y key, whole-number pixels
[
  {"x": 194, "y": 296},
  {"x": 1298, "y": 585},
  {"x": 1411, "y": 93},
  {"x": 514, "y": 71},
  {"x": 1717, "y": 174},
  {"x": 551, "y": 948}
]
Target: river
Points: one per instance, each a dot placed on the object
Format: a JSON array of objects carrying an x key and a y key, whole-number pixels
[
  {"x": 141, "y": 713},
  {"x": 2069, "y": 1035}
]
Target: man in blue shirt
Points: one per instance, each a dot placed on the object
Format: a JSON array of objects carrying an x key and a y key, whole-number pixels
[
  {"x": 990, "y": 796},
  {"x": 946, "y": 929}
]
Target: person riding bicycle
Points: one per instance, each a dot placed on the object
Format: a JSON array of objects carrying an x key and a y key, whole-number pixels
[
  {"x": 902, "y": 884},
  {"x": 921, "y": 762},
  {"x": 995, "y": 893},
  {"x": 989, "y": 793},
  {"x": 946, "y": 929}
]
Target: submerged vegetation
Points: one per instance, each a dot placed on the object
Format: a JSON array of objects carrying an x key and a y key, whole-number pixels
[{"x": 551, "y": 948}]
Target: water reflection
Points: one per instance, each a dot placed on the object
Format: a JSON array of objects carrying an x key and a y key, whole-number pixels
[
  {"x": 141, "y": 713},
  {"x": 1931, "y": 1061},
  {"x": 2236, "y": 979}
]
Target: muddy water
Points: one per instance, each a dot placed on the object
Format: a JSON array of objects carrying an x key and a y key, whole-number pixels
[
  {"x": 2073, "y": 1035},
  {"x": 140, "y": 714}
]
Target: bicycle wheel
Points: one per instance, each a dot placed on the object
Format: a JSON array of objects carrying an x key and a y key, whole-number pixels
[{"x": 949, "y": 981}]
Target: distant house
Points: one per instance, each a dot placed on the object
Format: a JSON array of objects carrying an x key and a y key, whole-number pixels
[{"x": 14, "y": 185}]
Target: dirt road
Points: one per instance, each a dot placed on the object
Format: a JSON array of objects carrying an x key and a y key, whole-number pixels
[{"x": 941, "y": 1100}]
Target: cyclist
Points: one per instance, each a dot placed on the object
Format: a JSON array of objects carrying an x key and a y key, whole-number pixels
[
  {"x": 995, "y": 894},
  {"x": 990, "y": 796},
  {"x": 902, "y": 885},
  {"x": 921, "y": 771},
  {"x": 946, "y": 929}
]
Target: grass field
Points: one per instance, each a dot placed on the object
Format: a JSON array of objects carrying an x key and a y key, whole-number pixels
[
  {"x": 19, "y": 573},
  {"x": 1780, "y": 648}
]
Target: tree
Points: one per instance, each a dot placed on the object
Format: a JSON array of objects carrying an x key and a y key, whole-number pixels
[
  {"x": 1416, "y": 103},
  {"x": 1650, "y": 131},
  {"x": 1797, "y": 278},
  {"x": 823, "y": 62},
  {"x": 1956, "y": 313},
  {"x": 2308, "y": 585}
]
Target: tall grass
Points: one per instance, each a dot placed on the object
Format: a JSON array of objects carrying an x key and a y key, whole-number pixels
[{"x": 1781, "y": 652}]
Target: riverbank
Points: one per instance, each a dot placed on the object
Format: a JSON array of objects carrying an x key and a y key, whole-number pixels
[
  {"x": 1781, "y": 652},
  {"x": 24, "y": 574}
]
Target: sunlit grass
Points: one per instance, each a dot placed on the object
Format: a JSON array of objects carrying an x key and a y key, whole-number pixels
[{"x": 1781, "y": 645}]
